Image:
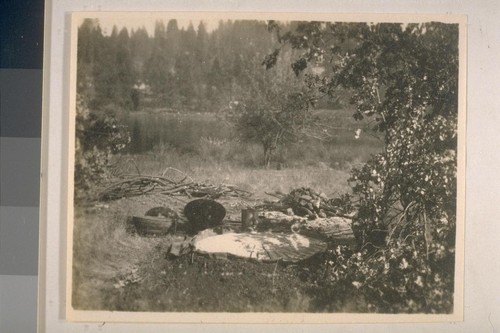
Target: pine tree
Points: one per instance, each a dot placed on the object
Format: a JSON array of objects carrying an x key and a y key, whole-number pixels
[
  {"x": 140, "y": 50},
  {"x": 156, "y": 68},
  {"x": 125, "y": 74}
]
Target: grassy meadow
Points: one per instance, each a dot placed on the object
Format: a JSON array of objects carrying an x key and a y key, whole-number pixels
[{"x": 205, "y": 148}]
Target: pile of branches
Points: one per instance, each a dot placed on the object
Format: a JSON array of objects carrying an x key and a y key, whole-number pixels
[
  {"x": 312, "y": 204},
  {"x": 135, "y": 185}
]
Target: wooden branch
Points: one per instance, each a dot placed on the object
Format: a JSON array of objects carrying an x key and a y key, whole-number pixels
[{"x": 138, "y": 185}]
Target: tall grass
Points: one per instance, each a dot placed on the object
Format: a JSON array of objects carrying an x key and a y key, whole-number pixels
[
  {"x": 102, "y": 248},
  {"x": 209, "y": 169},
  {"x": 208, "y": 151},
  {"x": 210, "y": 139}
]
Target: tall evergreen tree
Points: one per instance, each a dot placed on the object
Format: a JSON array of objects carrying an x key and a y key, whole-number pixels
[
  {"x": 125, "y": 73},
  {"x": 140, "y": 50},
  {"x": 172, "y": 42},
  {"x": 106, "y": 92},
  {"x": 113, "y": 74},
  {"x": 156, "y": 69},
  {"x": 202, "y": 44},
  {"x": 89, "y": 39}
]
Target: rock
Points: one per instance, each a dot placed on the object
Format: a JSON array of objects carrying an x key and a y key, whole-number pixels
[{"x": 178, "y": 249}]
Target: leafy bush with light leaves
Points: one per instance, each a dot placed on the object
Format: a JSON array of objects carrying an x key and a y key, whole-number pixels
[
  {"x": 405, "y": 78},
  {"x": 98, "y": 136}
]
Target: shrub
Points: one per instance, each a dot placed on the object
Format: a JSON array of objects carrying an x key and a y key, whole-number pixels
[
  {"x": 98, "y": 136},
  {"x": 406, "y": 79}
]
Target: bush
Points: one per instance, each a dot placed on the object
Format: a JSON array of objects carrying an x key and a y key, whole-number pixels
[
  {"x": 98, "y": 136},
  {"x": 406, "y": 78}
]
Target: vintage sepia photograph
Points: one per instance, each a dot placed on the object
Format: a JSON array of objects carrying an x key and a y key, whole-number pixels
[{"x": 265, "y": 164}]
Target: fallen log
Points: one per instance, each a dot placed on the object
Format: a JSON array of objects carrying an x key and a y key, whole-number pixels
[{"x": 335, "y": 229}]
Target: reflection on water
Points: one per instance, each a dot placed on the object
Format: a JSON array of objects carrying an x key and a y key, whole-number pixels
[{"x": 182, "y": 132}]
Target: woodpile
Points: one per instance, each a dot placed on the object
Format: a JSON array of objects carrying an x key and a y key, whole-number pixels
[
  {"x": 308, "y": 203},
  {"x": 136, "y": 185},
  {"x": 302, "y": 211}
]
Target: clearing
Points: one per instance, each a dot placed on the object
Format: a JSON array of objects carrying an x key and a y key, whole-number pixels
[{"x": 115, "y": 269}]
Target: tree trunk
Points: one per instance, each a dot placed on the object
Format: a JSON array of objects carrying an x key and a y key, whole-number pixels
[
  {"x": 268, "y": 153},
  {"x": 270, "y": 146}
]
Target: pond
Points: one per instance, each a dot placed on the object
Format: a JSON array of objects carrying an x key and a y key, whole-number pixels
[{"x": 180, "y": 131}]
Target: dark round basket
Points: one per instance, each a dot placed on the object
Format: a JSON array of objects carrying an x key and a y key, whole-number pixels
[{"x": 203, "y": 214}]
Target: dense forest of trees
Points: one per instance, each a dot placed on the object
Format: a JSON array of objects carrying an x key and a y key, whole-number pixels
[{"x": 185, "y": 69}]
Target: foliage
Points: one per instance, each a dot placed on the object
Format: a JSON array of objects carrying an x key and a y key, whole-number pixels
[
  {"x": 396, "y": 280},
  {"x": 277, "y": 107},
  {"x": 106, "y": 75},
  {"x": 406, "y": 79},
  {"x": 181, "y": 68},
  {"x": 272, "y": 116},
  {"x": 98, "y": 137}
]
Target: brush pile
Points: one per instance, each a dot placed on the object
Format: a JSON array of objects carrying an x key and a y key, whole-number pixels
[
  {"x": 136, "y": 185},
  {"x": 309, "y": 203}
]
